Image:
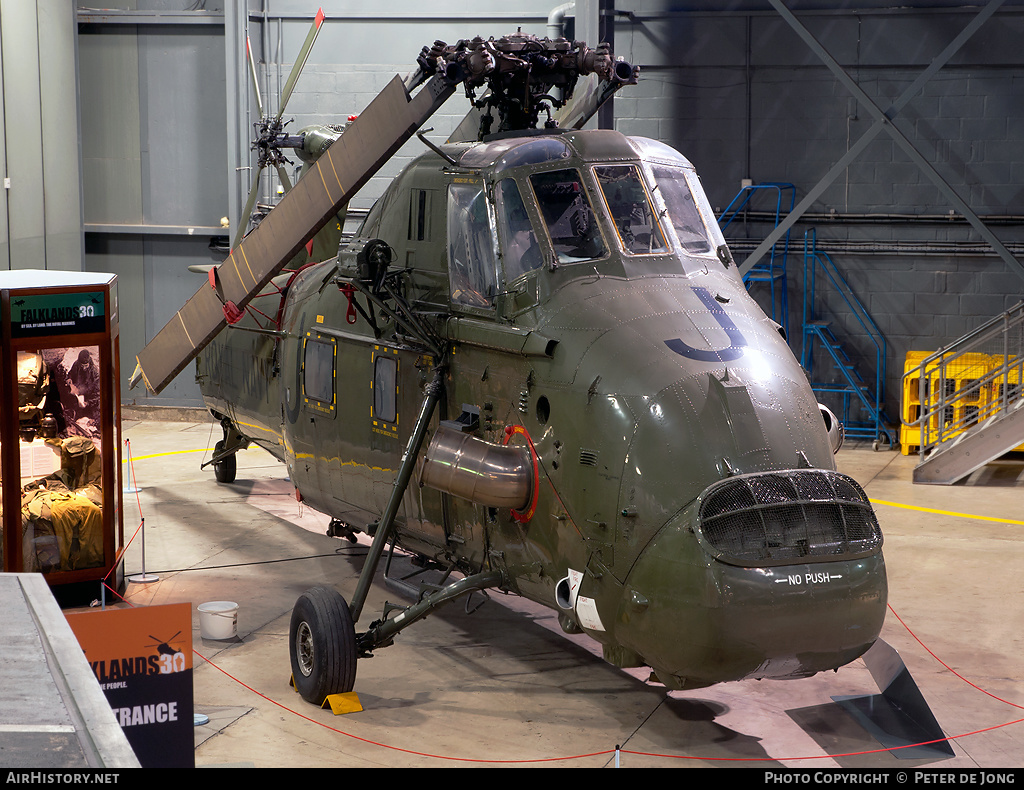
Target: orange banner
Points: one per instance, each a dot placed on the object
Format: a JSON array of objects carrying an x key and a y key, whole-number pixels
[{"x": 142, "y": 659}]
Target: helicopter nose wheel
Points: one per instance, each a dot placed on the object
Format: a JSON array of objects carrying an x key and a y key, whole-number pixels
[{"x": 322, "y": 645}]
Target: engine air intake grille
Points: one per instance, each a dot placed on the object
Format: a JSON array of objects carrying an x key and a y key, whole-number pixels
[{"x": 787, "y": 517}]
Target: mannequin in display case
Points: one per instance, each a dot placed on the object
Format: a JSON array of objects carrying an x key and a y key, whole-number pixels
[{"x": 61, "y": 470}]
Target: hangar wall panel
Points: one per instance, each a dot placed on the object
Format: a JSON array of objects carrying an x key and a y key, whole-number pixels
[
  {"x": 155, "y": 174},
  {"x": 742, "y": 96},
  {"x": 41, "y": 207}
]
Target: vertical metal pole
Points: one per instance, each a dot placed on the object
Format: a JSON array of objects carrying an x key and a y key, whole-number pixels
[
  {"x": 144, "y": 578},
  {"x": 1006, "y": 361},
  {"x": 922, "y": 417}
]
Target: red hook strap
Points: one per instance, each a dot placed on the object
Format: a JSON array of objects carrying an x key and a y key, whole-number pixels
[{"x": 350, "y": 292}]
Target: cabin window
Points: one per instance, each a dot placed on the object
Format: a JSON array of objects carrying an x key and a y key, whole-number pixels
[
  {"x": 568, "y": 215},
  {"x": 471, "y": 249},
  {"x": 682, "y": 209},
  {"x": 419, "y": 215},
  {"x": 630, "y": 208},
  {"x": 318, "y": 372},
  {"x": 520, "y": 250},
  {"x": 385, "y": 389}
]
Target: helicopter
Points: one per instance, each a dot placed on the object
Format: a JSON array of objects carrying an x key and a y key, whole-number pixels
[
  {"x": 163, "y": 646},
  {"x": 535, "y": 368}
]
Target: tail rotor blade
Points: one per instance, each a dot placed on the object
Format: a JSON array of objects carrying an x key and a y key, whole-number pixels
[{"x": 300, "y": 61}]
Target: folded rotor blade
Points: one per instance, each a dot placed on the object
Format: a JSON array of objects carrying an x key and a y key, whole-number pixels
[
  {"x": 255, "y": 79},
  {"x": 285, "y": 181},
  {"x": 588, "y": 97},
  {"x": 243, "y": 220},
  {"x": 468, "y": 129},
  {"x": 326, "y": 186},
  {"x": 300, "y": 62}
]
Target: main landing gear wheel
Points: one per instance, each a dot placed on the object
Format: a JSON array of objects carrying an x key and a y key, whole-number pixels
[
  {"x": 225, "y": 470},
  {"x": 322, "y": 644}
]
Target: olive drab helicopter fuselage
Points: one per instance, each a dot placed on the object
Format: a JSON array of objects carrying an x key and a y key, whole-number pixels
[
  {"x": 623, "y": 435},
  {"x": 536, "y": 368}
]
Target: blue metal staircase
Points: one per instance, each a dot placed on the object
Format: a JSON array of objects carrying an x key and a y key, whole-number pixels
[
  {"x": 771, "y": 269},
  {"x": 852, "y": 391}
]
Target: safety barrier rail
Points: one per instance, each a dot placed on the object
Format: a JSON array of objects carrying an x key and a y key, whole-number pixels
[{"x": 954, "y": 389}]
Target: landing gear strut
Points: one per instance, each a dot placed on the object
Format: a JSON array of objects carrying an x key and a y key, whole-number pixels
[
  {"x": 225, "y": 465},
  {"x": 322, "y": 639}
]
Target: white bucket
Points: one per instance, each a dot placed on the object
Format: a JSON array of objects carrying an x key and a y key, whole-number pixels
[{"x": 218, "y": 619}]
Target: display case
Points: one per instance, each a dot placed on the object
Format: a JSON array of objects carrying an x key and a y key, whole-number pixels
[{"x": 60, "y": 454}]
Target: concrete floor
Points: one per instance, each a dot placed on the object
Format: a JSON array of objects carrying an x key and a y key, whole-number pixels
[{"x": 504, "y": 685}]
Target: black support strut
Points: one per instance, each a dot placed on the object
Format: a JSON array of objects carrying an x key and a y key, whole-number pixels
[{"x": 385, "y": 527}]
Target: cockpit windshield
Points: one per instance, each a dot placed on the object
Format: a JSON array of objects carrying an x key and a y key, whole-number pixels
[
  {"x": 568, "y": 215},
  {"x": 681, "y": 208},
  {"x": 678, "y": 194},
  {"x": 635, "y": 222},
  {"x": 471, "y": 258},
  {"x": 520, "y": 249}
]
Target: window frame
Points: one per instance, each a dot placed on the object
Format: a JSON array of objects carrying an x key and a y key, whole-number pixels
[
  {"x": 666, "y": 248},
  {"x": 587, "y": 192},
  {"x": 312, "y": 400}
]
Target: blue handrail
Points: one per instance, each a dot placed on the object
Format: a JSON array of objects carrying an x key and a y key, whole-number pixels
[
  {"x": 775, "y": 267},
  {"x": 813, "y": 259}
]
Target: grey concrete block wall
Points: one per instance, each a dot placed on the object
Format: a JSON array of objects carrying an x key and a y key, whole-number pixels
[{"x": 743, "y": 97}]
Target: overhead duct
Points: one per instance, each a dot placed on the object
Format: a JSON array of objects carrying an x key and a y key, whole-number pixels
[
  {"x": 489, "y": 474},
  {"x": 556, "y": 20}
]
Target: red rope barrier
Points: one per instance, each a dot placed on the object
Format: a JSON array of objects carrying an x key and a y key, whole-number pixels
[
  {"x": 606, "y": 751},
  {"x": 639, "y": 753}
]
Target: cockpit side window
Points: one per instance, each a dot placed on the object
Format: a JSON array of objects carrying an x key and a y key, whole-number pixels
[
  {"x": 520, "y": 250},
  {"x": 471, "y": 250},
  {"x": 630, "y": 208},
  {"x": 568, "y": 215},
  {"x": 686, "y": 221}
]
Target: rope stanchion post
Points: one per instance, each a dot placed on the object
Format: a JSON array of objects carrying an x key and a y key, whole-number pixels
[
  {"x": 132, "y": 488},
  {"x": 143, "y": 578}
]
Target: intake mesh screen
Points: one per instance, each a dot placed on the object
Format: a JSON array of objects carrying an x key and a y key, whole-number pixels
[{"x": 791, "y": 516}]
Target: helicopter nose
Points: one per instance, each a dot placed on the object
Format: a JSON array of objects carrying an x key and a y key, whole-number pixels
[{"x": 776, "y": 575}]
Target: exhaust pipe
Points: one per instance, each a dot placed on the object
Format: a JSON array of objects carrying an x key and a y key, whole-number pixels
[{"x": 489, "y": 474}]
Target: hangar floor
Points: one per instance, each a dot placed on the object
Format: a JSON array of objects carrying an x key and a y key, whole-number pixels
[{"x": 504, "y": 686}]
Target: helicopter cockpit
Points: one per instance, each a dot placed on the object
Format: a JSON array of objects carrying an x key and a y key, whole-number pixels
[{"x": 583, "y": 207}]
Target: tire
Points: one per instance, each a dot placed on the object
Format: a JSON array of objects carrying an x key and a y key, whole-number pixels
[
  {"x": 226, "y": 470},
  {"x": 322, "y": 645}
]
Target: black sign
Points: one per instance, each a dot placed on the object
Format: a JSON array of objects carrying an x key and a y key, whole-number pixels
[{"x": 75, "y": 313}]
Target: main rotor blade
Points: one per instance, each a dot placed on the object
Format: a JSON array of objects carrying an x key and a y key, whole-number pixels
[
  {"x": 468, "y": 129},
  {"x": 243, "y": 220},
  {"x": 586, "y": 101},
  {"x": 285, "y": 181},
  {"x": 300, "y": 62},
  {"x": 343, "y": 168},
  {"x": 255, "y": 79}
]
